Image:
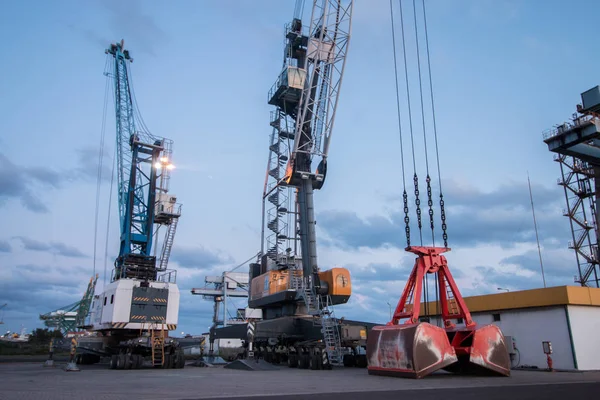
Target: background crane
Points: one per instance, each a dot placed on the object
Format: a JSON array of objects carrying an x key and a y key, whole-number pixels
[
  {"x": 140, "y": 305},
  {"x": 140, "y": 158},
  {"x": 72, "y": 317},
  {"x": 2, "y": 315}
]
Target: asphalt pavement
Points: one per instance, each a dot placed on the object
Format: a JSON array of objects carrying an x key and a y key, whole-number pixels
[
  {"x": 32, "y": 381},
  {"x": 561, "y": 391}
]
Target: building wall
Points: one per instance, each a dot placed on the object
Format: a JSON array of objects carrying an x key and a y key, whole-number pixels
[
  {"x": 585, "y": 325},
  {"x": 530, "y": 327}
]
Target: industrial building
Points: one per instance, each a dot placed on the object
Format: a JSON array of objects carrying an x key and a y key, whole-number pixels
[{"x": 566, "y": 316}]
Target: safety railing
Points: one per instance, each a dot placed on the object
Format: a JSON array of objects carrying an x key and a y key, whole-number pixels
[
  {"x": 567, "y": 126},
  {"x": 168, "y": 276}
]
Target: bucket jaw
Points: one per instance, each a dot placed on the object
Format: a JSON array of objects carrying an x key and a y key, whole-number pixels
[
  {"x": 416, "y": 349},
  {"x": 480, "y": 351},
  {"x": 411, "y": 351}
]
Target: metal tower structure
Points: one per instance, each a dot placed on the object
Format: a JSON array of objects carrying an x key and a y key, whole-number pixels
[
  {"x": 72, "y": 317},
  {"x": 2, "y": 316},
  {"x": 143, "y": 166},
  {"x": 220, "y": 289},
  {"x": 577, "y": 144},
  {"x": 305, "y": 96}
]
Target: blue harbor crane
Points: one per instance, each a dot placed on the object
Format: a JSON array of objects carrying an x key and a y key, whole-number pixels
[{"x": 137, "y": 309}]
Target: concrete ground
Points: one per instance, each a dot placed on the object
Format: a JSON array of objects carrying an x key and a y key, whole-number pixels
[{"x": 32, "y": 381}]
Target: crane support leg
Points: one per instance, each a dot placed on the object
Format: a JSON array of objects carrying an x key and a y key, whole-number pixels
[{"x": 416, "y": 349}]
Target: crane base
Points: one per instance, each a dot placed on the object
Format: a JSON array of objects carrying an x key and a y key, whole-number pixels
[{"x": 418, "y": 350}]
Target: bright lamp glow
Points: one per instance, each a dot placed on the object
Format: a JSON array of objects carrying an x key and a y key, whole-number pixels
[
  {"x": 158, "y": 165},
  {"x": 170, "y": 166},
  {"x": 164, "y": 159}
]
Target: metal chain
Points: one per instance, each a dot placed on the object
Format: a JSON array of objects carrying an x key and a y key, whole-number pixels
[
  {"x": 406, "y": 218},
  {"x": 443, "y": 214},
  {"x": 417, "y": 201},
  {"x": 430, "y": 202}
]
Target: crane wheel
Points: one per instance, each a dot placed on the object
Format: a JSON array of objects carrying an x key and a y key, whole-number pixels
[
  {"x": 349, "y": 360},
  {"x": 303, "y": 361},
  {"x": 181, "y": 363},
  {"x": 313, "y": 362},
  {"x": 361, "y": 361},
  {"x": 113, "y": 361},
  {"x": 121, "y": 361},
  {"x": 128, "y": 361},
  {"x": 292, "y": 361}
]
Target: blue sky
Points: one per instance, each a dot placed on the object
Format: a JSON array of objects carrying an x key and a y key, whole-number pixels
[{"x": 503, "y": 71}]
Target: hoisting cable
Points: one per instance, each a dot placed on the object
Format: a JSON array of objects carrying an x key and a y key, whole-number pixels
[
  {"x": 404, "y": 194},
  {"x": 437, "y": 156},
  {"x": 428, "y": 179},
  {"x": 112, "y": 180},
  {"x": 415, "y": 178},
  {"x": 99, "y": 173},
  {"x": 299, "y": 9}
]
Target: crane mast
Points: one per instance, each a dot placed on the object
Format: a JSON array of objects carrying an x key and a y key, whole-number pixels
[
  {"x": 141, "y": 194},
  {"x": 306, "y": 95}
]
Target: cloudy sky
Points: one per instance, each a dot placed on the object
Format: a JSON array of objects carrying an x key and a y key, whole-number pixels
[{"x": 503, "y": 72}]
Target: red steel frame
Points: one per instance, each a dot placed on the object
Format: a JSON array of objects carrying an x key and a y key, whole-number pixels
[{"x": 430, "y": 260}]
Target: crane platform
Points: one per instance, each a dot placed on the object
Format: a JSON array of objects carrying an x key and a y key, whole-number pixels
[
  {"x": 278, "y": 340},
  {"x": 579, "y": 138}
]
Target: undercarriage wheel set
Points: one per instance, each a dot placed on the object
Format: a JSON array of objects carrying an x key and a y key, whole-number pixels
[
  {"x": 86, "y": 359},
  {"x": 312, "y": 360},
  {"x": 128, "y": 360},
  {"x": 175, "y": 359},
  {"x": 358, "y": 360}
]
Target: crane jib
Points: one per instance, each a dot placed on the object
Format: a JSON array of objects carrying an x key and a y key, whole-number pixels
[{"x": 143, "y": 163}]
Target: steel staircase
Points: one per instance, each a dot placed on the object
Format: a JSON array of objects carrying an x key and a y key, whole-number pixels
[
  {"x": 168, "y": 243},
  {"x": 331, "y": 334},
  {"x": 275, "y": 194},
  {"x": 158, "y": 345},
  {"x": 321, "y": 309}
]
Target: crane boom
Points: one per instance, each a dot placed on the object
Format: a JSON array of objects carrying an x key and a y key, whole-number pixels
[
  {"x": 140, "y": 155},
  {"x": 323, "y": 60}
]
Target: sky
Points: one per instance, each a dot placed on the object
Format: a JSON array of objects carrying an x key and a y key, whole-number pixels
[{"x": 503, "y": 71}]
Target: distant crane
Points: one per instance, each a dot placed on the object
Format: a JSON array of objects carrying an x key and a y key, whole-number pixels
[
  {"x": 2, "y": 317},
  {"x": 71, "y": 318}
]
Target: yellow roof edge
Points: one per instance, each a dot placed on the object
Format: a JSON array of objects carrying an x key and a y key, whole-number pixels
[{"x": 542, "y": 297}]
